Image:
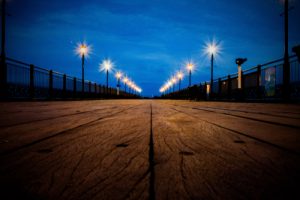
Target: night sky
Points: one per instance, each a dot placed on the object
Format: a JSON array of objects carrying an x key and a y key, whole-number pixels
[{"x": 148, "y": 40}]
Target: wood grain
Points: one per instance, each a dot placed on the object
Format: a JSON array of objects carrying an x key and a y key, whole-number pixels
[{"x": 149, "y": 149}]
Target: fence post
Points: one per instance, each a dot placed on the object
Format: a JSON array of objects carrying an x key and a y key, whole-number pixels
[
  {"x": 74, "y": 86},
  {"x": 229, "y": 87},
  {"x": 31, "y": 83},
  {"x": 50, "y": 84},
  {"x": 95, "y": 85},
  {"x": 64, "y": 85},
  {"x": 258, "y": 80}
]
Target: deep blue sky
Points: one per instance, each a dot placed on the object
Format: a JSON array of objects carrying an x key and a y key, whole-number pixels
[{"x": 149, "y": 40}]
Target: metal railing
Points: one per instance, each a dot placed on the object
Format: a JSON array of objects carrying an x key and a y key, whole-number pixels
[
  {"x": 26, "y": 81},
  {"x": 262, "y": 82}
]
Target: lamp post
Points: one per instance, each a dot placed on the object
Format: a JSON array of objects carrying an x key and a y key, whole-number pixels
[
  {"x": 212, "y": 49},
  {"x": 82, "y": 73},
  {"x": 3, "y": 15},
  {"x": 118, "y": 76},
  {"x": 82, "y": 50},
  {"x": 129, "y": 86},
  {"x": 3, "y": 70},
  {"x": 125, "y": 80},
  {"x": 106, "y": 66},
  {"x": 169, "y": 85},
  {"x": 286, "y": 67},
  {"x": 179, "y": 77},
  {"x": 190, "y": 67},
  {"x": 107, "y": 81},
  {"x": 173, "y": 83}
]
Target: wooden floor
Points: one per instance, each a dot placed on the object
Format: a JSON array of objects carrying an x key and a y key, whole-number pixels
[{"x": 149, "y": 149}]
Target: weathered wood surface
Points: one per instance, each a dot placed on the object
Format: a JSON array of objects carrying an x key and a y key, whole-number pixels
[{"x": 135, "y": 149}]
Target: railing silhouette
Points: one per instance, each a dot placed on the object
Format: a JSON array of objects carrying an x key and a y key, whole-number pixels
[
  {"x": 262, "y": 82},
  {"x": 26, "y": 81}
]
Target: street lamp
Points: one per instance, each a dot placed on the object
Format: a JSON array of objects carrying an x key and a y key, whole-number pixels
[
  {"x": 139, "y": 90},
  {"x": 82, "y": 50},
  {"x": 212, "y": 49},
  {"x": 163, "y": 89},
  {"x": 129, "y": 86},
  {"x": 118, "y": 76},
  {"x": 173, "y": 79},
  {"x": 179, "y": 77},
  {"x": 3, "y": 70},
  {"x": 286, "y": 65},
  {"x": 190, "y": 67},
  {"x": 106, "y": 65},
  {"x": 3, "y": 15},
  {"x": 169, "y": 84},
  {"x": 125, "y": 80}
]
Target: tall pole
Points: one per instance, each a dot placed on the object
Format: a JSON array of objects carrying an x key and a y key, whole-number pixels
[
  {"x": 190, "y": 78},
  {"x": 179, "y": 83},
  {"x": 82, "y": 68},
  {"x": 3, "y": 29},
  {"x": 211, "y": 74},
  {"x": 118, "y": 87},
  {"x": 286, "y": 67},
  {"x": 125, "y": 86},
  {"x": 107, "y": 81},
  {"x": 3, "y": 73}
]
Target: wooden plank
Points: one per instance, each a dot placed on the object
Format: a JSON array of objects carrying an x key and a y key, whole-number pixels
[
  {"x": 134, "y": 149},
  {"x": 197, "y": 160},
  {"x": 93, "y": 161}
]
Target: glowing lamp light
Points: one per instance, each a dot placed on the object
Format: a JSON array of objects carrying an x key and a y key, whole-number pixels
[
  {"x": 125, "y": 80},
  {"x": 106, "y": 65},
  {"x": 173, "y": 80},
  {"x": 190, "y": 66},
  {"x": 179, "y": 75},
  {"x": 82, "y": 49},
  {"x": 118, "y": 75},
  {"x": 212, "y": 48},
  {"x": 129, "y": 83}
]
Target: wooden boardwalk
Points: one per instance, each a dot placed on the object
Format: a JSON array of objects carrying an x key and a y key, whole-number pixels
[{"x": 149, "y": 149}]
